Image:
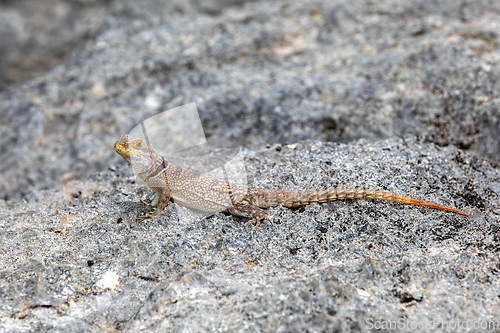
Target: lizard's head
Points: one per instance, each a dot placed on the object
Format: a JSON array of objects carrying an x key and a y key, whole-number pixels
[{"x": 140, "y": 155}]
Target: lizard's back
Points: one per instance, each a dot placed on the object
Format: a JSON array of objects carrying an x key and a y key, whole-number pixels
[{"x": 201, "y": 192}]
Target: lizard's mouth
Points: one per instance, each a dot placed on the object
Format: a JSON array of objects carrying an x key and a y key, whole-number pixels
[{"x": 122, "y": 149}]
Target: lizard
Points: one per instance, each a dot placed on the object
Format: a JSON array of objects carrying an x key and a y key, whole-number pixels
[{"x": 212, "y": 195}]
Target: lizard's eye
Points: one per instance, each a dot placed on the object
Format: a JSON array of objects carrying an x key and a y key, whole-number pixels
[{"x": 137, "y": 144}]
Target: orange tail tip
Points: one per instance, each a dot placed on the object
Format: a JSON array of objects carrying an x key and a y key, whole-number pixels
[
  {"x": 437, "y": 206},
  {"x": 409, "y": 200}
]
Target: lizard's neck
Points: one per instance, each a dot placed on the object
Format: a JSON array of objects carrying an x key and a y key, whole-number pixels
[{"x": 157, "y": 167}]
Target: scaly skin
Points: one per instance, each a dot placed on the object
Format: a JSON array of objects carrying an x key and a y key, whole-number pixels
[{"x": 212, "y": 195}]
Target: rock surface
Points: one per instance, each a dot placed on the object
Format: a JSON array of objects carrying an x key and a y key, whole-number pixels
[
  {"x": 37, "y": 36},
  {"x": 75, "y": 259},
  {"x": 266, "y": 73},
  {"x": 385, "y": 95}
]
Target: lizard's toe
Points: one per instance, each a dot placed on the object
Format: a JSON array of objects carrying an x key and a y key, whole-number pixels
[
  {"x": 255, "y": 221},
  {"x": 149, "y": 215},
  {"x": 250, "y": 222}
]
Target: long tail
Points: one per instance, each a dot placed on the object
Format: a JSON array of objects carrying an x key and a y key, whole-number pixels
[{"x": 265, "y": 198}]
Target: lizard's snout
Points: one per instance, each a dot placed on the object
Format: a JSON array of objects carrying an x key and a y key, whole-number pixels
[{"x": 121, "y": 147}]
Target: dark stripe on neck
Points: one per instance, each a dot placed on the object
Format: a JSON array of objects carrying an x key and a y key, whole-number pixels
[{"x": 154, "y": 172}]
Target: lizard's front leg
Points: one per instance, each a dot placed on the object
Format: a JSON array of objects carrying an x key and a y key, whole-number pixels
[
  {"x": 245, "y": 209},
  {"x": 160, "y": 201}
]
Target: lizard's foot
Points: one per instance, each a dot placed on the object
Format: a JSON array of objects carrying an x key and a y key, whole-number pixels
[
  {"x": 256, "y": 220},
  {"x": 245, "y": 209},
  {"x": 149, "y": 215}
]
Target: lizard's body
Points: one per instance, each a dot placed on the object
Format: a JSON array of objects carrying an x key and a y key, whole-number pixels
[{"x": 212, "y": 195}]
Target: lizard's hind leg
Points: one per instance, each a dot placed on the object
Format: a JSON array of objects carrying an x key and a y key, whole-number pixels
[{"x": 245, "y": 209}]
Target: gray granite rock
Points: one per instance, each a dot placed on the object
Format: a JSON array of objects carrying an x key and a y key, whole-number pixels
[
  {"x": 75, "y": 258},
  {"x": 36, "y": 36},
  {"x": 387, "y": 95},
  {"x": 272, "y": 72}
]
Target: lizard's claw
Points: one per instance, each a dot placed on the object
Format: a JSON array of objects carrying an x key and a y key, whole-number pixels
[
  {"x": 149, "y": 215},
  {"x": 256, "y": 220}
]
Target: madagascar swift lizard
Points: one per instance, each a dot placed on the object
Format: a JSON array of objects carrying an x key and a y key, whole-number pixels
[{"x": 212, "y": 195}]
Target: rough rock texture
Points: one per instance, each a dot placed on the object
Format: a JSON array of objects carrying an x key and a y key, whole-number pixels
[
  {"x": 265, "y": 73},
  {"x": 402, "y": 96},
  {"x": 346, "y": 265},
  {"x": 36, "y": 36}
]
